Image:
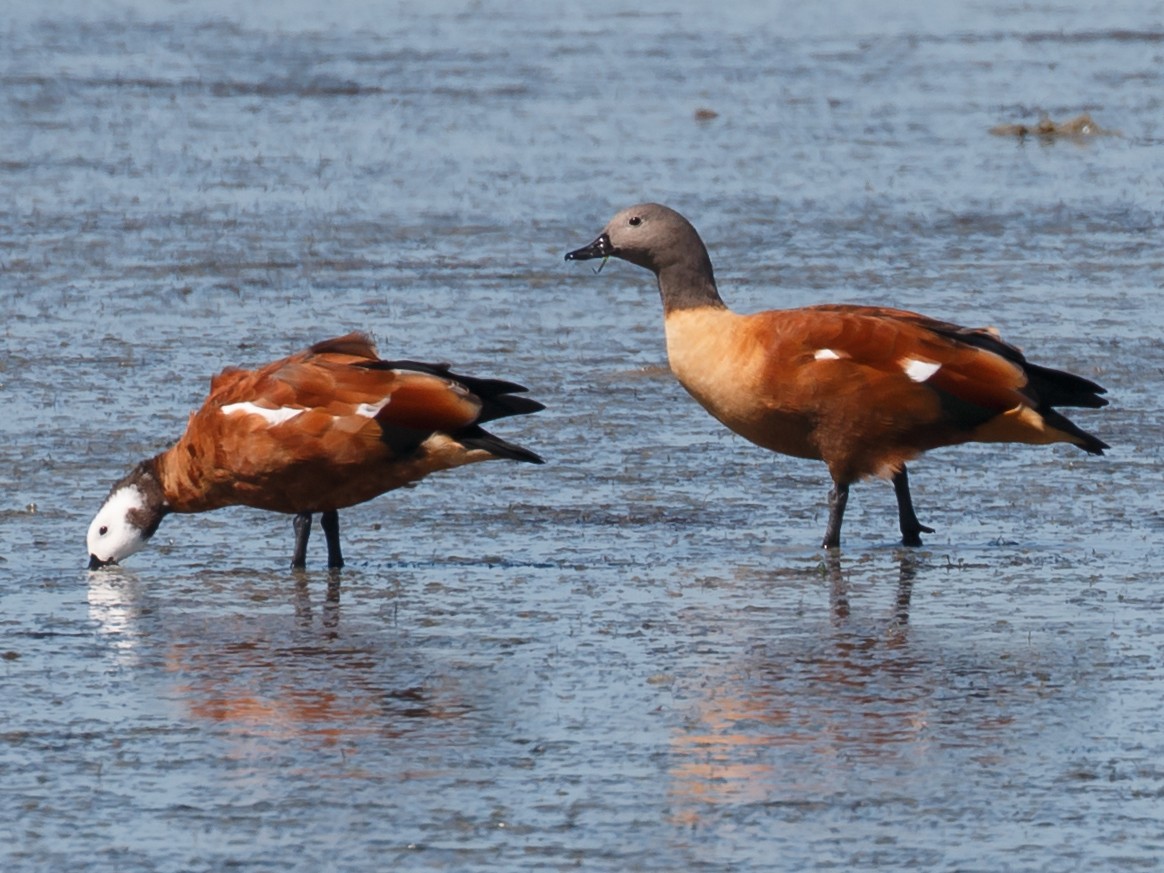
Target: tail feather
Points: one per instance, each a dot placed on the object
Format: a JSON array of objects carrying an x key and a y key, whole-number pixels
[
  {"x": 499, "y": 399},
  {"x": 1046, "y": 387},
  {"x": 478, "y": 438},
  {"x": 1081, "y": 438},
  {"x": 1053, "y": 388}
]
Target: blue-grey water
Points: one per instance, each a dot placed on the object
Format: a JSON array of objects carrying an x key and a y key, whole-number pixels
[{"x": 633, "y": 658}]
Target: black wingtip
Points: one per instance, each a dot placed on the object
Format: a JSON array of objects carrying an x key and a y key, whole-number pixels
[
  {"x": 499, "y": 396},
  {"x": 1059, "y": 388},
  {"x": 505, "y": 405}
]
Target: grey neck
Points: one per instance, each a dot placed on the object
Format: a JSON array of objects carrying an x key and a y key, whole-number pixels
[{"x": 687, "y": 287}]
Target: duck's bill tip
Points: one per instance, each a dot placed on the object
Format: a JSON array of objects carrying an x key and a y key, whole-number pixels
[
  {"x": 600, "y": 248},
  {"x": 96, "y": 563}
]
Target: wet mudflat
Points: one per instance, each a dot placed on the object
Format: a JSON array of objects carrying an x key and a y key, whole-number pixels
[{"x": 633, "y": 658}]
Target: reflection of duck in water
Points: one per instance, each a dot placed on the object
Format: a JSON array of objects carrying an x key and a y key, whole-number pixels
[
  {"x": 278, "y": 682},
  {"x": 787, "y": 722},
  {"x": 324, "y": 429},
  {"x": 114, "y": 610},
  {"x": 272, "y": 677}
]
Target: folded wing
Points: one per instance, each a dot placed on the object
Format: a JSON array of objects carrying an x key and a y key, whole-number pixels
[{"x": 952, "y": 382}]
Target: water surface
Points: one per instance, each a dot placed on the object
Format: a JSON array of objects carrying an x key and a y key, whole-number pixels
[{"x": 633, "y": 658}]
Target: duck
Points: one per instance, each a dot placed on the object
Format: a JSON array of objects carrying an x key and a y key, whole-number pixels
[
  {"x": 865, "y": 389},
  {"x": 321, "y": 430}
]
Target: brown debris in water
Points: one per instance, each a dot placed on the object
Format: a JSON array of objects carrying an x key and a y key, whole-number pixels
[
  {"x": 703, "y": 113},
  {"x": 1076, "y": 128}
]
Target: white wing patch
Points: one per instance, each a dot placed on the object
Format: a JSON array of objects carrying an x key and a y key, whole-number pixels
[
  {"x": 272, "y": 416},
  {"x": 371, "y": 410},
  {"x": 826, "y": 355},
  {"x": 286, "y": 413},
  {"x": 917, "y": 370}
]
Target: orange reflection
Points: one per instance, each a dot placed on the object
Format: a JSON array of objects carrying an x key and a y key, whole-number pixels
[
  {"x": 794, "y": 724},
  {"x": 269, "y": 677}
]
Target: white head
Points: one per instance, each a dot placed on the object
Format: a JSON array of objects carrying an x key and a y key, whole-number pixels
[{"x": 127, "y": 519}]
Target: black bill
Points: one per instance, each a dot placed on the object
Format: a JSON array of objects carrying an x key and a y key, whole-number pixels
[{"x": 600, "y": 248}]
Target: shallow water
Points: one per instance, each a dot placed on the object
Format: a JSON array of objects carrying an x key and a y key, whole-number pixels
[{"x": 633, "y": 658}]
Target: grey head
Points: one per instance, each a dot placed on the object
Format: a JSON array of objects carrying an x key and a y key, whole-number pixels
[
  {"x": 658, "y": 238},
  {"x": 128, "y": 518}
]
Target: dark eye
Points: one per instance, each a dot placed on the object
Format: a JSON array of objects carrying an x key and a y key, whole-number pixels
[
  {"x": 103, "y": 530},
  {"x": 635, "y": 221}
]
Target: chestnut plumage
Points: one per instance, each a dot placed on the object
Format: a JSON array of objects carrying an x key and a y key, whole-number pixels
[
  {"x": 321, "y": 430},
  {"x": 862, "y": 388}
]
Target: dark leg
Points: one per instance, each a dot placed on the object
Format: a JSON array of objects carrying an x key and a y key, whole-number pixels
[
  {"x": 838, "y": 497},
  {"x": 329, "y": 521},
  {"x": 911, "y": 528},
  {"x": 302, "y": 525}
]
